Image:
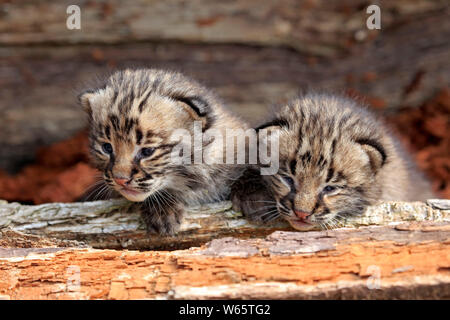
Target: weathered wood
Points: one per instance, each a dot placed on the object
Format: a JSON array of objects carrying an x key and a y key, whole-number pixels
[
  {"x": 43, "y": 65},
  {"x": 320, "y": 27},
  {"x": 116, "y": 224},
  {"x": 406, "y": 261}
]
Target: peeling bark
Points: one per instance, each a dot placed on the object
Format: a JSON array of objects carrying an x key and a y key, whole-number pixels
[
  {"x": 378, "y": 262},
  {"x": 115, "y": 224}
]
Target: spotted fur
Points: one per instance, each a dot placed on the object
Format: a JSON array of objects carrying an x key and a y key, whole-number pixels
[
  {"x": 132, "y": 118},
  {"x": 335, "y": 159}
]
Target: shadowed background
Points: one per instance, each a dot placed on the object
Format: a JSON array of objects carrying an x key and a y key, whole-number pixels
[{"x": 254, "y": 54}]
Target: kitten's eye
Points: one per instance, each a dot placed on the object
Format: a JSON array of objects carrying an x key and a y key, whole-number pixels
[
  {"x": 107, "y": 147},
  {"x": 289, "y": 181},
  {"x": 147, "y": 152},
  {"x": 329, "y": 189}
]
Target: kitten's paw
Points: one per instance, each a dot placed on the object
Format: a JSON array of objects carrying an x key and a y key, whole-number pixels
[
  {"x": 256, "y": 207},
  {"x": 163, "y": 222},
  {"x": 251, "y": 197}
]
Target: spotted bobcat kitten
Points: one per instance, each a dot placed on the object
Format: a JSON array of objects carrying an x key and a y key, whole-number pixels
[
  {"x": 335, "y": 159},
  {"x": 132, "y": 121}
]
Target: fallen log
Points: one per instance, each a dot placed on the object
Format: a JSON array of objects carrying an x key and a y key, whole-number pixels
[
  {"x": 409, "y": 260},
  {"x": 402, "y": 254},
  {"x": 115, "y": 224}
]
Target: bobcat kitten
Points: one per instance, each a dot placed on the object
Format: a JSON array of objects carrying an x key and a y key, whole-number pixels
[
  {"x": 132, "y": 119},
  {"x": 335, "y": 159}
]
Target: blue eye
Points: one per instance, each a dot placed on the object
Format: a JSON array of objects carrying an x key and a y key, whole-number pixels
[
  {"x": 147, "y": 152},
  {"x": 107, "y": 148},
  {"x": 329, "y": 189},
  {"x": 289, "y": 181}
]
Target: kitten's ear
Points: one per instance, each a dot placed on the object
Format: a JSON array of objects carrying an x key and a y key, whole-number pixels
[
  {"x": 85, "y": 100},
  {"x": 375, "y": 151},
  {"x": 195, "y": 106},
  {"x": 278, "y": 123}
]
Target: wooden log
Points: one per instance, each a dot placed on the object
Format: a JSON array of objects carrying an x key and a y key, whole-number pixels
[
  {"x": 116, "y": 224},
  {"x": 320, "y": 27},
  {"x": 405, "y": 261}
]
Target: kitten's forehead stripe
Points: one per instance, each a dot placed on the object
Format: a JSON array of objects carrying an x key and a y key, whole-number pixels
[
  {"x": 114, "y": 98},
  {"x": 321, "y": 162},
  {"x": 114, "y": 120},
  {"x": 306, "y": 158},
  {"x": 329, "y": 174},
  {"x": 108, "y": 132},
  {"x": 293, "y": 165},
  {"x": 144, "y": 101},
  {"x": 128, "y": 125},
  {"x": 156, "y": 83},
  {"x": 333, "y": 148},
  {"x": 138, "y": 136}
]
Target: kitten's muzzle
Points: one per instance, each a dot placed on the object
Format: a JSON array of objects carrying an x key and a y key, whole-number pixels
[
  {"x": 301, "y": 220},
  {"x": 122, "y": 181},
  {"x": 125, "y": 185},
  {"x": 302, "y": 215}
]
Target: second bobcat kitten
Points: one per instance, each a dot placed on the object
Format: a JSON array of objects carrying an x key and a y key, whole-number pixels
[
  {"x": 335, "y": 159},
  {"x": 132, "y": 119}
]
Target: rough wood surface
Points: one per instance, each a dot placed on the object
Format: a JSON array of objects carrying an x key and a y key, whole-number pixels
[
  {"x": 406, "y": 261},
  {"x": 115, "y": 223},
  {"x": 287, "y": 22}
]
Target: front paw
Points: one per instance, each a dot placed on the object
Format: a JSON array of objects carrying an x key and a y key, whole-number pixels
[
  {"x": 257, "y": 207},
  {"x": 250, "y": 196},
  {"x": 163, "y": 221}
]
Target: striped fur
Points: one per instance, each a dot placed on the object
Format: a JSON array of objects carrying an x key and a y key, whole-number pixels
[
  {"x": 132, "y": 117},
  {"x": 335, "y": 159}
]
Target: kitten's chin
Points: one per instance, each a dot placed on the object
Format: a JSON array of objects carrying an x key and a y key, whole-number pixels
[
  {"x": 134, "y": 196},
  {"x": 300, "y": 225}
]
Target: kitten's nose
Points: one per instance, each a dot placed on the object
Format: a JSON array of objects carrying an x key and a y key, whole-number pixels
[
  {"x": 301, "y": 214},
  {"x": 121, "y": 181}
]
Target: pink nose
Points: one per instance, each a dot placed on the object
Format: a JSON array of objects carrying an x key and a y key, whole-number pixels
[
  {"x": 301, "y": 214},
  {"x": 121, "y": 182}
]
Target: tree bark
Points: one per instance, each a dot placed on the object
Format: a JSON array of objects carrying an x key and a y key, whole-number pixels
[
  {"x": 407, "y": 261},
  {"x": 115, "y": 224},
  {"x": 403, "y": 254}
]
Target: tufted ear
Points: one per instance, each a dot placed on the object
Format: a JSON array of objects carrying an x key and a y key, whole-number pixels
[
  {"x": 272, "y": 129},
  {"x": 197, "y": 108},
  {"x": 85, "y": 100},
  {"x": 277, "y": 123},
  {"x": 375, "y": 151}
]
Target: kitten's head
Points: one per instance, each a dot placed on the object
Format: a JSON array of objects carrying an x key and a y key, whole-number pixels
[
  {"x": 330, "y": 153},
  {"x": 132, "y": 118}
]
